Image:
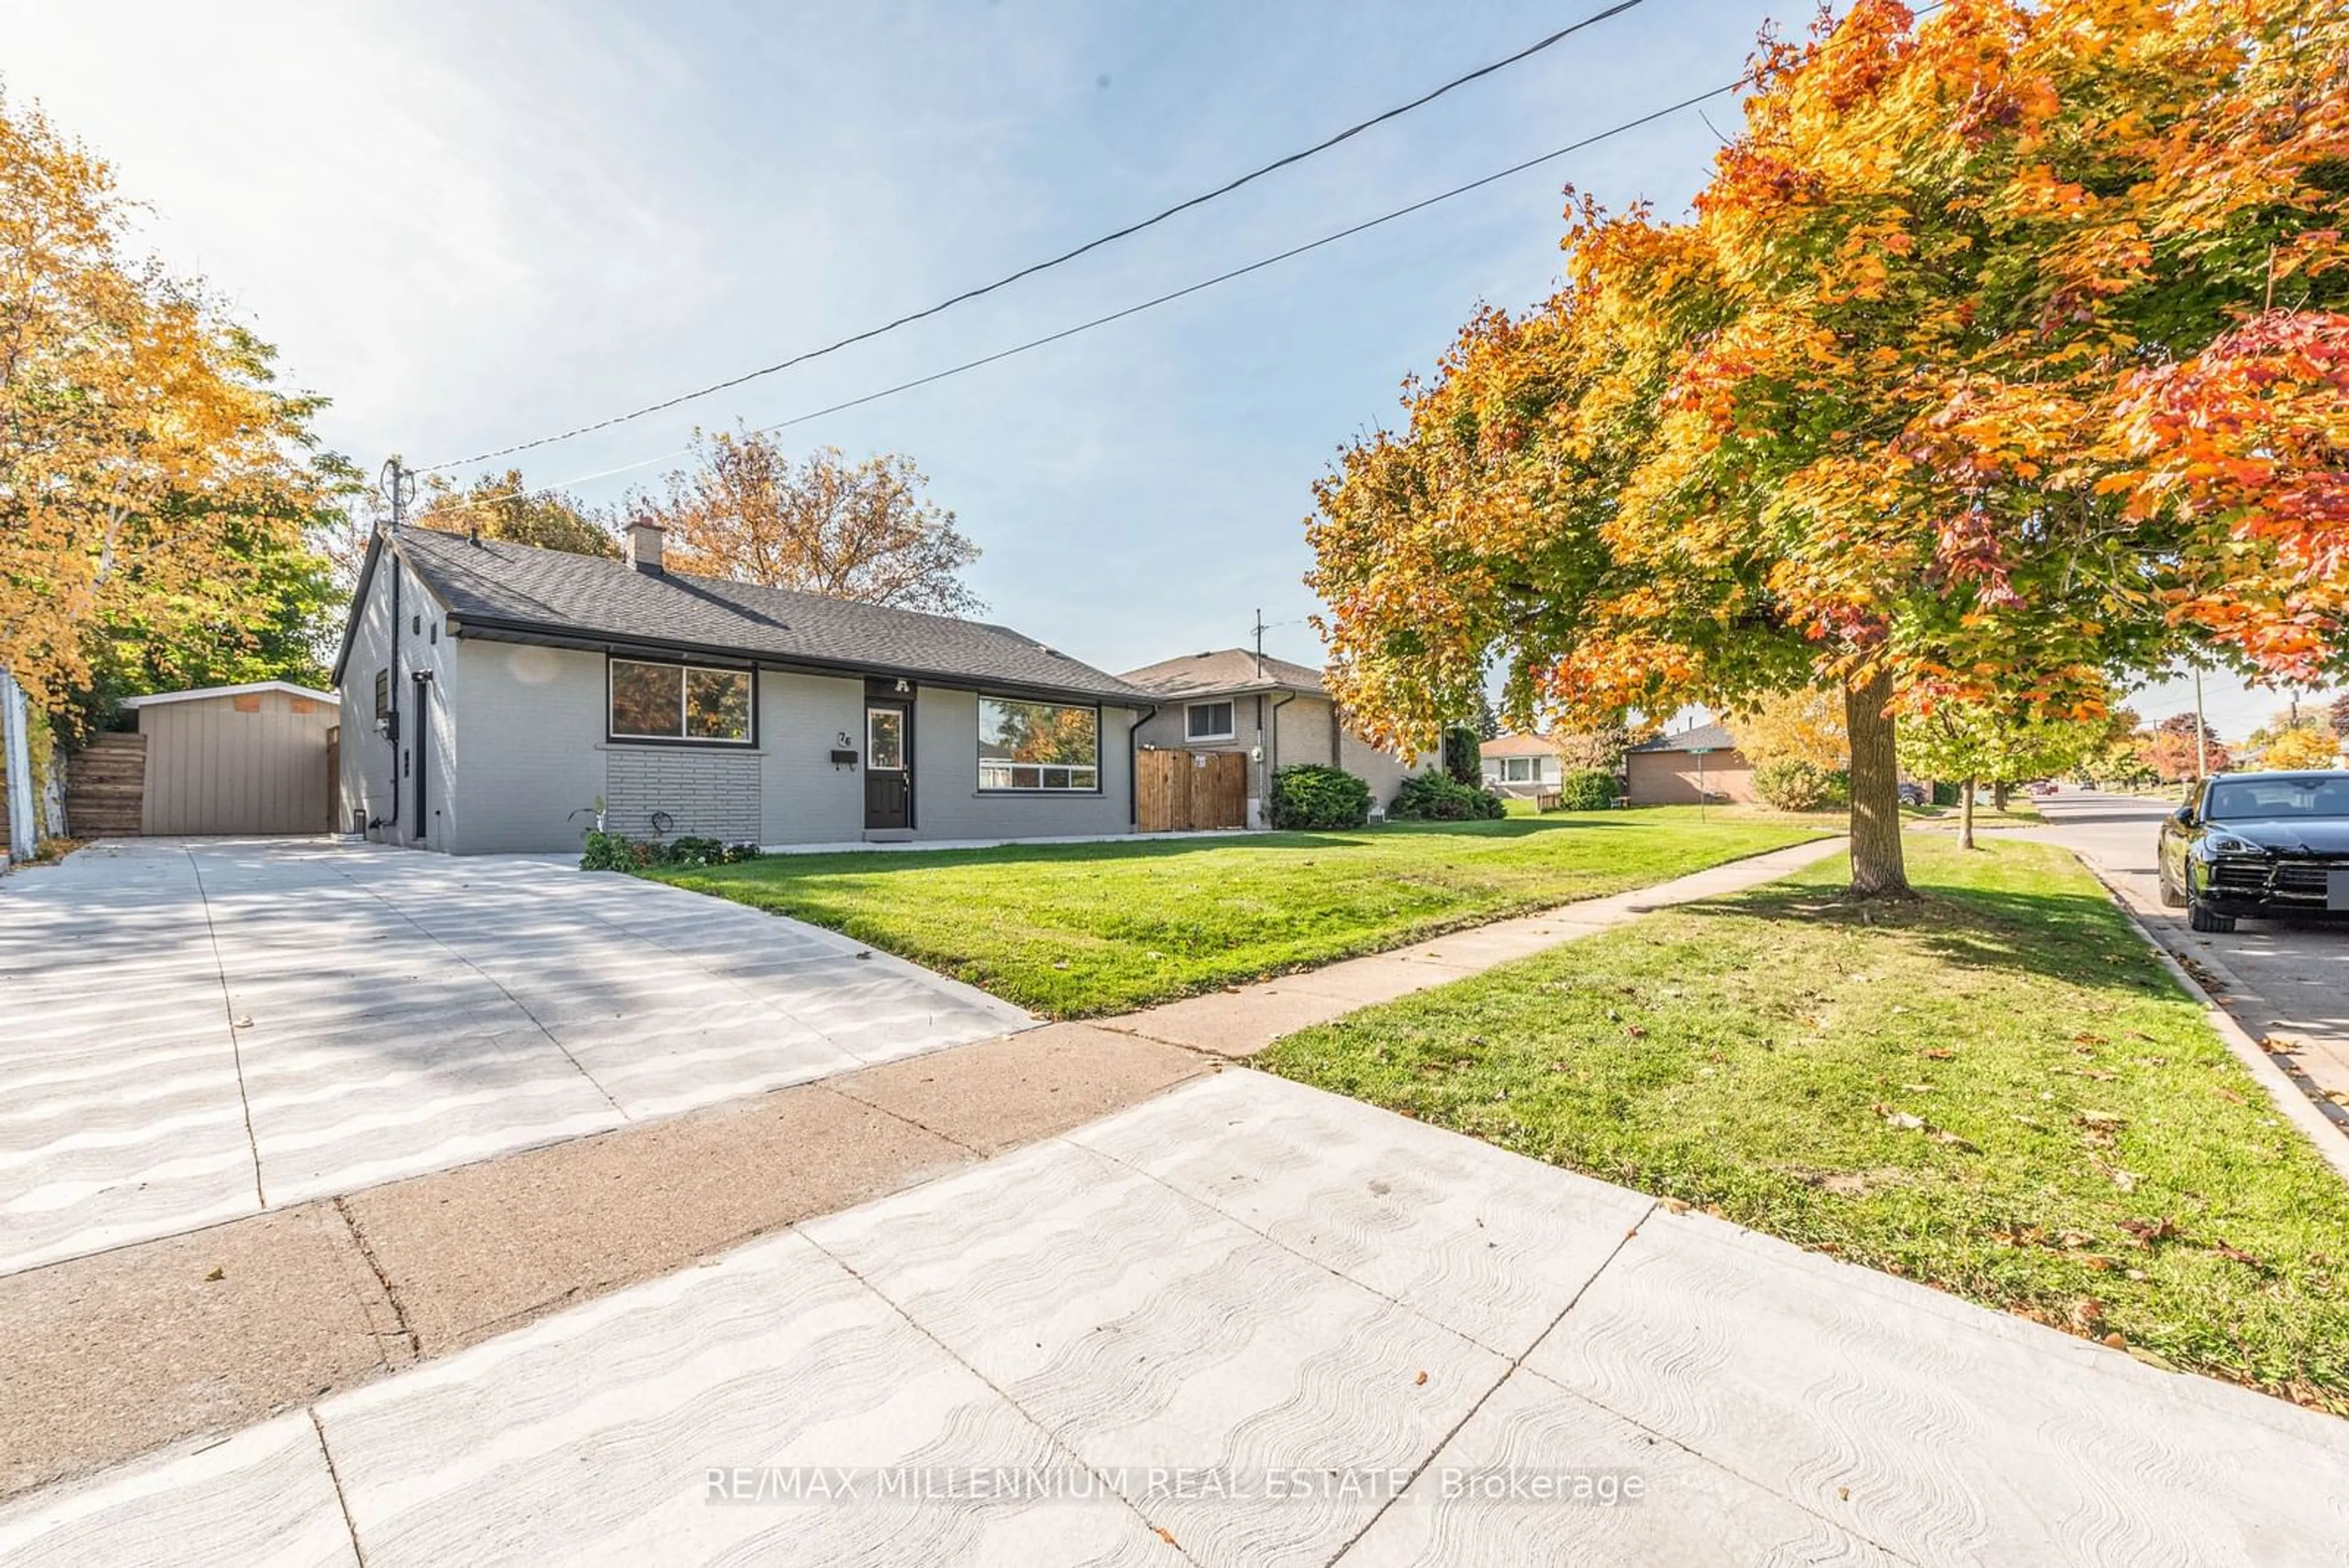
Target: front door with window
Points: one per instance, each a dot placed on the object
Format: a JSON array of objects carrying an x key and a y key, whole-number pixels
[{"x": 888, "y": 765}]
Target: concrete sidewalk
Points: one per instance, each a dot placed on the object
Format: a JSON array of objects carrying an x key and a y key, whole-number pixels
[
  {"x": 111, "y": 1356},
  {"x": 1249, "y": 1323}
]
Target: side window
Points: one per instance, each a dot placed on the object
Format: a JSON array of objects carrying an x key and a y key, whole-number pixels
[{"x": 382, "y": 692}]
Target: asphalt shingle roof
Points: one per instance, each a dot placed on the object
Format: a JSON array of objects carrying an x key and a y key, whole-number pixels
[
  {"x": 557, "y": 593},
  {"x": 1705, "y": 737},
  {"x": 1223, "y": 669}
]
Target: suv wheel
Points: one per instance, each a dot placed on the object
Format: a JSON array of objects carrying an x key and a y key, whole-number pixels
[{"x": 2202, "y": 919}]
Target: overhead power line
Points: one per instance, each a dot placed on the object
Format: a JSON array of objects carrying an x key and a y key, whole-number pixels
[
  {"x": 1031, "y": 270},
  {"x": 1275, "y": 259}
]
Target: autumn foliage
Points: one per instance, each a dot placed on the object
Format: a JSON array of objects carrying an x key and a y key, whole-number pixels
[
  {"x": 155, "y": 483},
  {"x": 2005, "y": 353}
]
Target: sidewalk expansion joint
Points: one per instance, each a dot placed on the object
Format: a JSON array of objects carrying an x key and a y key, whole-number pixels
[{"x": 403, "y": 1331}]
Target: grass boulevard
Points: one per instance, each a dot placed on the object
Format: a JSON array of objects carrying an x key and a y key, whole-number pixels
[
  {"x": 1083, "y": 930},
  {"x": 1995, "y": 1090}
]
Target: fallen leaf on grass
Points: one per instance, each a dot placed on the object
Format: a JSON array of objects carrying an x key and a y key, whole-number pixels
[
  {"x": 2088, "y": 1040},
  {"x": 2115, "y": 1341},
  {"x": 1937, "y": 1053},
  {"x": 1899, "y": 1120},
  {"x": 2146, "y": 1232},
  {"x": 2236, "y": 1255},
  {"x": 1675, "y": 1205},
  {"x": 2124, "y": 1179},
  {"x": 2151, "y": 1358},
  {"x": 2228, "y": 1094}
]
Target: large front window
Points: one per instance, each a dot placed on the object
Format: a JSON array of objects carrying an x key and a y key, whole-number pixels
[
  {"x": 1520, "y": 770},
  {"x": 653, "y": 701},
  {"x": 1038, "y": 746}
]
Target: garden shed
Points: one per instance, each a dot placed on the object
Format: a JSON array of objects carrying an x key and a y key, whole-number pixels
[{"x": 251, "y": 759}]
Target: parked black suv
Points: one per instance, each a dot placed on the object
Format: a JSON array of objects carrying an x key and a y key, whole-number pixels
[{"x": 2261, "y": 844}]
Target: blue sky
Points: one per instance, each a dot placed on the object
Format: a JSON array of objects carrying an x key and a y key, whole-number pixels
[{"x": 471, "y": 225}]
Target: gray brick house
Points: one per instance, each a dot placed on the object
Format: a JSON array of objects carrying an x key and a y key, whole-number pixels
[
  {"x": 1231, "y": 700},
  {"x": 492, "y": 694}
]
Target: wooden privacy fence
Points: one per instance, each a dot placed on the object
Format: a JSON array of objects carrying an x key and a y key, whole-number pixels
[
  {"x": 1178, "y": 791},
  {"x": 106, "y": 786}
]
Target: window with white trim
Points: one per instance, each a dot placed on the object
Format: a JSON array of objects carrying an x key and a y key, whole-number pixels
[
  {"x": 1208, "y": 721},
  {"x": 1028, "y": 747},
  {"x": 655, "y": 701},
  {"x": 1520, "y": 770}
]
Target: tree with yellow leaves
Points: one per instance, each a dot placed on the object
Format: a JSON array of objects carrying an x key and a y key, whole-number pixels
[{"x": 152, "y": 476}]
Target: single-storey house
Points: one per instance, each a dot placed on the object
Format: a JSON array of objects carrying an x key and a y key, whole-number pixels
[
  {"x": 1273, "y": 712},
  {"x": 1524, "y": 766},
  {"x": 500, "y": 698},
  {"x": 1698, "y": 763}
]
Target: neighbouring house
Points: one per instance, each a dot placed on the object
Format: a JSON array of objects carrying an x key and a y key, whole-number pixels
[
  {"x": 1698, "y": 763},
  {"x": 1270, "y": 711},
  {"x": 1524, "y": 767},
  {"x": 257, "y": 758},
  {"x": 497, "y": 697}
]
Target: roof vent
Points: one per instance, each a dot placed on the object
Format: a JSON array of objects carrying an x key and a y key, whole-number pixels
[{"x": 644, "y": 538}]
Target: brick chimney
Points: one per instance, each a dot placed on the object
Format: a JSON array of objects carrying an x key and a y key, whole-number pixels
[{"x": 645, "y": 546}]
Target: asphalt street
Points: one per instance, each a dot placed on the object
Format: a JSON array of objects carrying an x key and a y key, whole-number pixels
[{"x": 2287, "y": 983}]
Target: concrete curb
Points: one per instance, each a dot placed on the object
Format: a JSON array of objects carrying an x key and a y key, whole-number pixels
[{"x": 2332, "y": 1144}]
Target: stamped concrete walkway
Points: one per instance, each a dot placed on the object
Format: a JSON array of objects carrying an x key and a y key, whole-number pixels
[
  {"x": 1249, "y": 1323},
  {"x": 111, "y": 1355}
]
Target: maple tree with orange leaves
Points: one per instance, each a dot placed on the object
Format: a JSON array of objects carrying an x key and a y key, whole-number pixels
[{"x": 2004, "y": 354}]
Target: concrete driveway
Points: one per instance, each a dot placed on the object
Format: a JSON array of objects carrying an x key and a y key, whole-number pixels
[
  {"x": 2286, "y": 981},
  {"x": 1249, "y": 1323},
  {"x": 198, "y": 1030}
]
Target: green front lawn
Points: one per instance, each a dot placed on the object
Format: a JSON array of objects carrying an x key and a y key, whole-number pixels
[
  {"x": 1996, "y": 1091},
  {"x": 1079, "y": 929}
]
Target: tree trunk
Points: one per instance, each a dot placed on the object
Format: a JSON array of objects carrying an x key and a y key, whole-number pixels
[
  {"x": 1966, "y": 814},
  {"x": 1997, "y": 794},
  {"x": 1877, "y": 871}
]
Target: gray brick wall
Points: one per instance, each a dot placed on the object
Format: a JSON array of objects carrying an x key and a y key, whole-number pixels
[{"x": 709, "y": 794}]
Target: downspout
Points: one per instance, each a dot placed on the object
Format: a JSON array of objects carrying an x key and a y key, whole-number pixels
[
  {"x": 1272, "y": 747},
  {"x": 1132, "y": 771}
]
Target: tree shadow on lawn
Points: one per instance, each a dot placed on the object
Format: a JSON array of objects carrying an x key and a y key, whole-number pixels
[{"x": 2077, "y": 937}]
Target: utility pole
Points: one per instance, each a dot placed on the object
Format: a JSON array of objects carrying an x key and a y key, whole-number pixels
[
  {"x": 1259, "y": 642},
  {"x": 2201, "y": 731},
  {"x": 398, "y": 482}
]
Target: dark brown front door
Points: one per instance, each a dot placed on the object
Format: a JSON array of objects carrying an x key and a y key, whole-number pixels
[{"x": 888, "y": 765}]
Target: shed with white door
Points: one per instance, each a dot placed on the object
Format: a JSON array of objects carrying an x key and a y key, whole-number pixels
[{"x": 256, "y": 758}]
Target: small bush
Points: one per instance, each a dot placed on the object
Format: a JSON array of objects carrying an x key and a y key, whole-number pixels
[
  {"x": 1794, "y": 785},
  {"x": 1316, "y": 798},
  {"x": 616, "y": 852},
  {"x": 1439, "y": 797},
  {"x": 1588, "y": 789},
  {"x": 608, "y": 852}
]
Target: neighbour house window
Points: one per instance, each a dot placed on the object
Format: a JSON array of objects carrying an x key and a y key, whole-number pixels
[
  {"x": 1207, "y": 721},
  {"x": 1038, "y": 746},
  {"x": 652, "y": 701},
  {"x": 1520, "y": 770}
]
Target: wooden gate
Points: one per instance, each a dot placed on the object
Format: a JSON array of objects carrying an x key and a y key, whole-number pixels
[{"x": 1177, "y": 792}]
